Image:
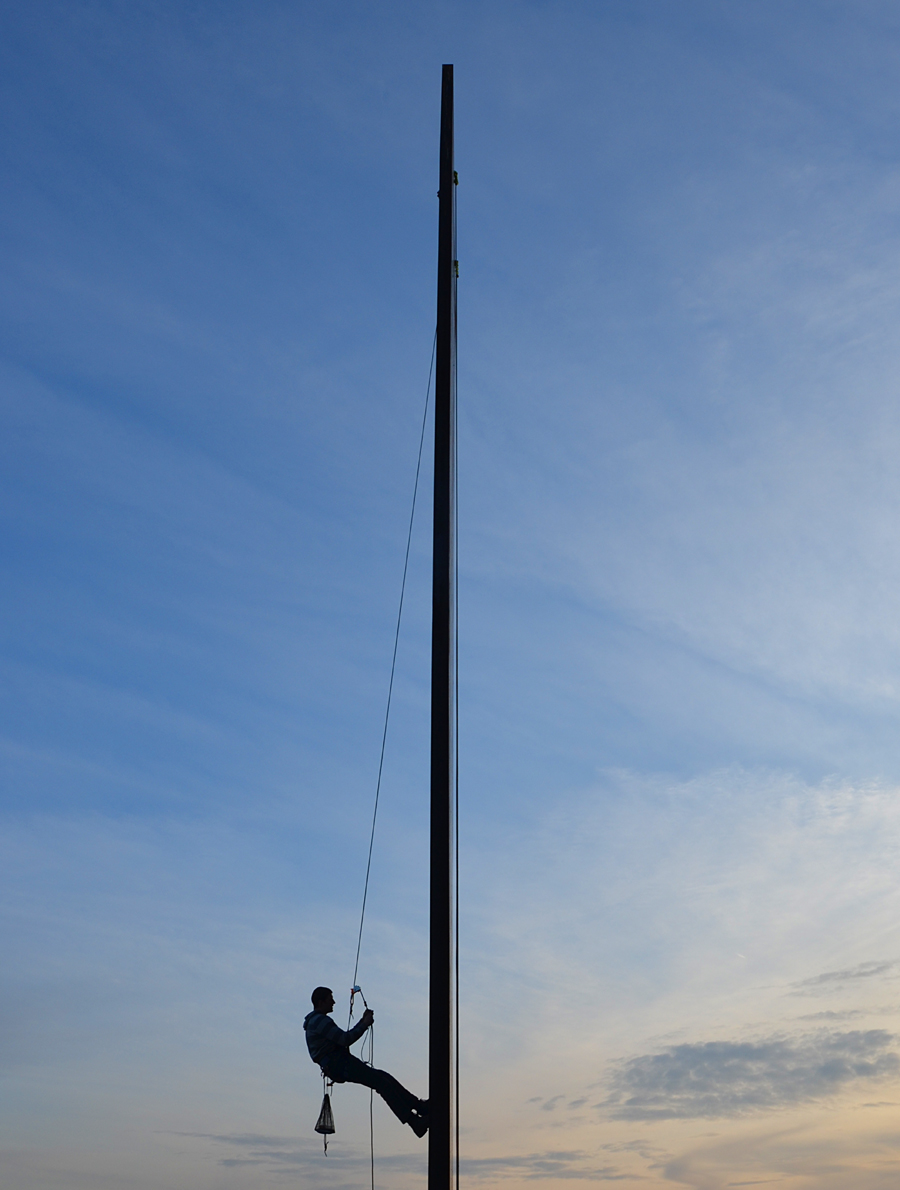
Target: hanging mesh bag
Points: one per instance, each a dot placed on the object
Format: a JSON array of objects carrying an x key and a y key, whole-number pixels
[{"x": 325, "y": 1122}]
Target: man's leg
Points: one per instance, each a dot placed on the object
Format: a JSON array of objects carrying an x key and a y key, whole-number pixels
[{"x": 401, "y": 1102}]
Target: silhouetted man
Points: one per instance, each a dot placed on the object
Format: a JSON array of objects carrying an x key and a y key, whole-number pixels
[{"x": 329, "y": 1047}]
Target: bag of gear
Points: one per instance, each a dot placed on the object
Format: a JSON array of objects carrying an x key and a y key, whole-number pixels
[{"x": 325, "y": 1122}]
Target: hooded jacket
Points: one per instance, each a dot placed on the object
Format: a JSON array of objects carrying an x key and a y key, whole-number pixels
[{"x": 324, "y": 1037}]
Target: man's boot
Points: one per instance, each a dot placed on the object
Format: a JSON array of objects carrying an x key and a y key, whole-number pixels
[{"x": 418, "y": 1125}]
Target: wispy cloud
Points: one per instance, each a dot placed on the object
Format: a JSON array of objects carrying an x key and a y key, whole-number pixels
[
  {"x": 274, "y": 1154},
  {"x": 849, "y": 1014},
  {"x": 729, "y": 1078},
  {"x": 830, "y": 1161},
  {"x": 829, "y": 979},
  {"x": 551, "y": 1165},
  {"x": 278, "y": 1154}
]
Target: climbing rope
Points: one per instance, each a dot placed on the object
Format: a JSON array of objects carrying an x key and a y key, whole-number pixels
[
  {"x": 371, "y": 1108},
  {"x": 387, "y": 712},
  {"x": 355, "y": 989}
]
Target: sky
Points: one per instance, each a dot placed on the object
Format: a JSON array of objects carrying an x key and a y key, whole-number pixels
[{"x": 679, "y": 528}]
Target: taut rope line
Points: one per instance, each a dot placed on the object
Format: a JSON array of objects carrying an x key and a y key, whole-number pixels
[
  {"x": 387, "y": 712},
  {"x": 355, "y": 988}
]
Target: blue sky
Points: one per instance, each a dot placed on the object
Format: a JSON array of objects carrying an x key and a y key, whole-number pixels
[{"x": 679, "y": 566}]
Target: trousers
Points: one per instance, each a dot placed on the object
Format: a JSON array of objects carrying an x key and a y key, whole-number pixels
[{"x": 344, "y": 1067}]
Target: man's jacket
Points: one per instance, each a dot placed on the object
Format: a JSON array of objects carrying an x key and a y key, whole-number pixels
[{"x": 324, "y": 1037}]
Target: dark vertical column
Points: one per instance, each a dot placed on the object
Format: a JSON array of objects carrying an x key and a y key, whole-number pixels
[{"x": 440, "y": 1021}]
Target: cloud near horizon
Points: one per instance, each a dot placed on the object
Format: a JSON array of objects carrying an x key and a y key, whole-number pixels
[
  {"x": 729, "y": 1078},
  {"x": 277, "y": 1154},
  {"x": 843, "y": 1160}
]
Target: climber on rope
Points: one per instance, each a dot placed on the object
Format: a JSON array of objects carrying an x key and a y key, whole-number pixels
[{"x": 329, "y": 1047}]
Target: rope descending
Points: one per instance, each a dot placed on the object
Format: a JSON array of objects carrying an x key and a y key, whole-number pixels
[
  {"x": 325, "y": 1122},
  {"x": 387, "y": 711}
]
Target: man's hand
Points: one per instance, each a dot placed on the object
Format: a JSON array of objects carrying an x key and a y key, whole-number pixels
[{"x": 367, "y": 1017}]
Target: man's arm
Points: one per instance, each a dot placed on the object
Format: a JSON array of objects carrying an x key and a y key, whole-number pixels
[{"x": 327, "y": 1029}]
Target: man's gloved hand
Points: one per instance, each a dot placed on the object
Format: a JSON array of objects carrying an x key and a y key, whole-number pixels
[{"x": 368, "y": 1017}]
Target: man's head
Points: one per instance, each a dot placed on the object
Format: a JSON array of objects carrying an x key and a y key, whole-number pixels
[{"x": 323, "y": 999}]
